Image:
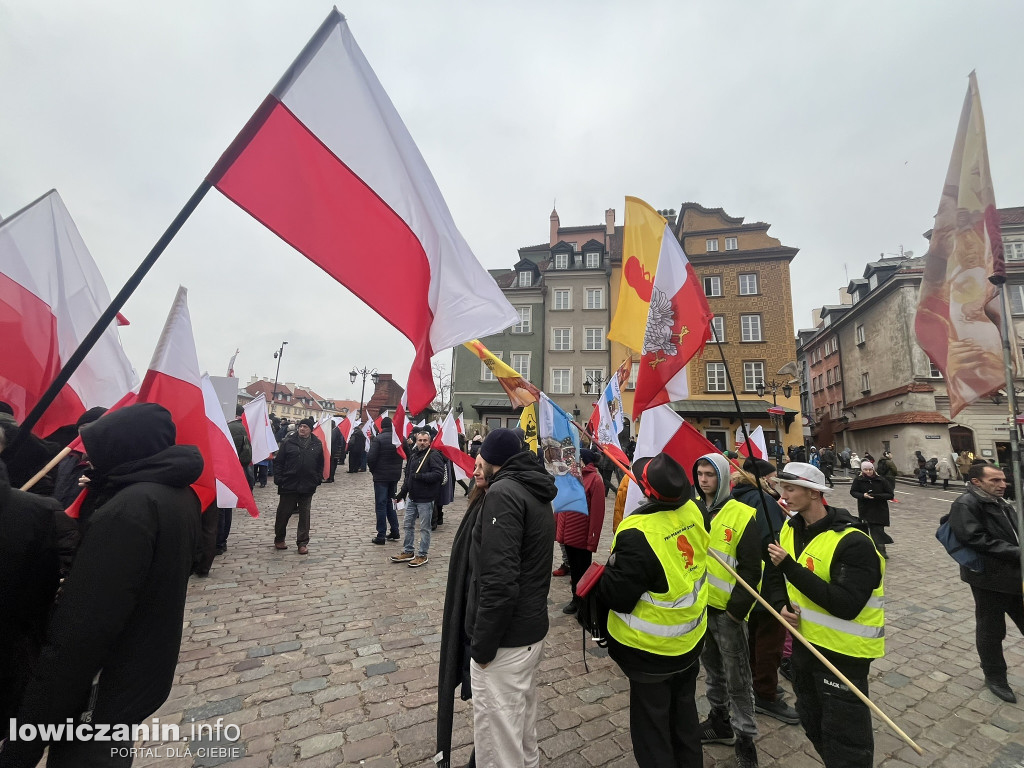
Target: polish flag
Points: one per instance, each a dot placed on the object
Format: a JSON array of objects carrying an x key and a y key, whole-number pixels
[
  {"x": 678, "y": 326},
  {"x": 257, "y": 425},
  {"x": 368, "y": 430},
  {"x": 606, "y": 422},
  {"x": 400, "y": 427},
  {"x": 51, "y": 295},
  {"x": 459, "y": 425},
  {"x": 231, "y": 364},
  {"x": 760, "y": 450},
  {"x": 662, "y": 430},
  {"x": 322, "y": 430},
  {"x": 447, "y": 442},
  {"x": 347, "y": 425},
  {"x": 232, "y": 484},
  {"x": 383, "y": 415},
  {"x": 327, "y": 164}
]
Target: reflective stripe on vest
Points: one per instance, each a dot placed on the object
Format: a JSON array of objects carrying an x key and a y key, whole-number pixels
[
  {"x": 727, "y": 526},
  {"x": 864, "y": 636},
  {"x": 668, "y": 623}
]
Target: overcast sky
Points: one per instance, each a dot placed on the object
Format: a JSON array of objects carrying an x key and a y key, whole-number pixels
[{"x": 831, "y": 121}]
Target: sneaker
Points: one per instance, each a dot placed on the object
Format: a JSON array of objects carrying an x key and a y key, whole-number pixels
[
  {"x": 717, "y": 729},
  {"x": 746, "y": 752},
  {"x": 378, "y": 540},
  {"x": 402, "y": 557},
  {"x": 1001, "y": 689},
  {"x": 786, "y": 668},
  {"x": 562, "y": 570},
  {"x": 417, "y": 561},
  {"x": 778, "y": 709}
]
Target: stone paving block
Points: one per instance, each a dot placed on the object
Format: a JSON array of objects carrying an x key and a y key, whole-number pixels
[
  {"x": 381, "y": 668},
  {"x": 212, "y": 709}
]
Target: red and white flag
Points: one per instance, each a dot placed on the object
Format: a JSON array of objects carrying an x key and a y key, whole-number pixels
[
  {"x": 328, "y": 165},
  {"x": 368, "y": 430},
  {"x": 380, "y": 417},
  {"x": 678, "y": 326},
  {"x": 447, "y": 442},
  {"x": 232, "y": 484},
  {"x": 322, "y": 431},
  {"x": 257, "y": 425},
  {"x": 760, "y": 449},
  {"x": 231, "y": 364},
  {"x": 400, "y": 427},
  {"x": 51, "y": 295},
  {"x": 459, "y": 425},
  {"x": 606, "y": 421},
  {"x": 346, "y": 426},
  {"x": 662, "y": 430}
]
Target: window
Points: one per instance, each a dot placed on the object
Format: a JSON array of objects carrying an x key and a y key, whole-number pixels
[
  {"x": 1013, "y": 251},
  {"x": 561, "y": 261},
  {"x": 712, "y": 244},
  {"x": 592, "y": 261},
  {"x": 855, "y": 296},
  {"x": 860, "y": 334},
  {"x": 835, "y": 344},
  {"x": 827, "y": 320},
  {"x": 835, "y": 375},
  {"x": 753, "y": 372},
  {"x": 521, "y": 362},
  {"x": 832, "y": 410},
  {"x": 748, "y": 284},
  {"x": 828, "y": 377},
  {"x": 561, "y": 339},
  {"x": 873, "y": 281},
  {"x": 731, "y": 244},
  {"x": 716, "y": 377},
  {"x": 561, "y": 381},
  {"x": 634, "y": 371},
  {"x": 486, "y": 374},
  {"x": 525, "y": 279},
  {"x": 933, "y": 370},
  {"x": 563, "y": 298},
  {"x": 750, "y": 328},
  {"x": 718, "y": 329},
  {"x": 865, "y": 383},
  {"x": 593, "y": 338},
  {"x": 713, "y": 286},
  {"x": 525, "y": 316},
  {"x": 595, "y": 298},
  {"x": 1016, "y": 299},
  {"x": 593, "y": 375}
]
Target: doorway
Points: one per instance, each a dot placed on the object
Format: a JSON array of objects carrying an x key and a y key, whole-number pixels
[
  {"x": 717, "y": 438},
  {"x": 962, "y": 439}
]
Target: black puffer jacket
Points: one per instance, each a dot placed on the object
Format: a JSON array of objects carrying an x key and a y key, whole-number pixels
[
  {"x": 988, "y": 526},
  {"x": 299, "y": 465},
  {"x": 422, "y": 479},
  {"x": 876, "y": 509},
  {"x": 383, "y": 460},
  {"x": 121, "y": 610},
  {"x": 510, "y": 560}
]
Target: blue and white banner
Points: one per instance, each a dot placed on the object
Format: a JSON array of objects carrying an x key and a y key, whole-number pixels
[{"x": 560, "y": 449}]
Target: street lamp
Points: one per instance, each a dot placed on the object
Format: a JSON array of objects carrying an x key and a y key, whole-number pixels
[
  {"x": 277, "y": 356},
  {"x": 594, "y": 381},
  {"x": 356, "y": 373},
  {"x": 787, "y": 390}
]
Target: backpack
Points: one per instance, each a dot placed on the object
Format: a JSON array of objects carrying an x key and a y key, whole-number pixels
[{"x": 964, "y": 555}]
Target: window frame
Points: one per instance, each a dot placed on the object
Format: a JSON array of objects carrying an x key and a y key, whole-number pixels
[
  {"x": 732, "y": 244},
  {"x": 757, "y": 284},
  {"x": 860, "y": 335},
  {"x": 528, "y": 321},
  {"x": 586, "y": 297},
  {"x": 865, "y": 382},
  {"x": 711, "y": 245},
  {"x": 717, "y": 320},
  {"x": 601, "y": 337},
  {"x": 587, "y": 257},
  {"x": 717, "y": 278},
  {"x": 744, "y": 329},
  {"x": 753, "y": 369},
  {"x": 554, "y": 343},
  {"x": 719, "y": 377},
  {"x": 634, "y": 371},
  {"x": 554, "y": 388},
  {"x": 525, "y": 279},
  {"x": 486, "y": 374},
  {"x": 555, "y": 263},
  {"x": 529, "y": 363},
  {"x": 558, "y": 292}
]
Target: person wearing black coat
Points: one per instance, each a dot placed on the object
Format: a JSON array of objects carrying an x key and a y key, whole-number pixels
[
  {"x": 113, "y": 641},
  {"x": 298, "y": 472},
  {"x": 386, "y": 469},
  {"x": 982, "y": 521},
  {"x": 337, "y": 452},
  {"x": 873, "y": 494},
  {"x": 421, "y": 482},
  {"x": 356, "y": 450}
]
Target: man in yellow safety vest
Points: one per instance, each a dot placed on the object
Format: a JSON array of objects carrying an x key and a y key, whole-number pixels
[{"x": 835, "y": 578}]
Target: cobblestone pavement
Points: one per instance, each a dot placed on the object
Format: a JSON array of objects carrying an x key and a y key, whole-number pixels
[{"x": 331, "y": 659}]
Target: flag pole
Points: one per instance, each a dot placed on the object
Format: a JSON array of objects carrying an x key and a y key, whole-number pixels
[{"x": 109, "y": 315}]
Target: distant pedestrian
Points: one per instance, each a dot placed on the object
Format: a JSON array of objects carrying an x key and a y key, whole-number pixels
[
  {"x": 424, "y": 471},
  {"x": 945, "y": 472},
  {"x": 386, "y": 469},
  {"x": 580, "y": 530},
  {"x": 356, "y": 450},
  {"x": 873, "y": 494},
  {"x": 963, "y": 464},
  {"x": 298, "y": 472},
  {"x": 886, "y": 467}
]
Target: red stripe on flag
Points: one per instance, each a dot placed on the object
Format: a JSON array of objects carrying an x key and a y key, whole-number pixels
[{"x": 687, "y": 445}]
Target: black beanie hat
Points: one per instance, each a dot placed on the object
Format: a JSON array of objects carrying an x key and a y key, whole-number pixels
[
  {"x": 764, "y": 468},
  {"x": 588, "y": 456},
  {"x": 308, "y": 422},
  {"x": 385, "y": 423},
  {"x": 499, "y": 446}
]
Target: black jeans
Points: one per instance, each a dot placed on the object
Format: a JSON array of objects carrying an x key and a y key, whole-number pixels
[
  {"x": 765, "y": 639},
  {"x": 261, "y": 474},
  {"x": 990, "y": 612},
  {"x": 579, "y": 561},
  {"x": 663, "y": 721},
  {"x": 836, "y": 722},
  {"x": 289, "y": 504}
]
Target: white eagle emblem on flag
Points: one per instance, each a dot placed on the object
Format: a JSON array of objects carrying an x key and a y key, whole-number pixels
[{"x": 660, "y": 319}]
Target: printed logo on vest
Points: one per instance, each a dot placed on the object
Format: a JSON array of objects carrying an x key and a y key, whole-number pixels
[
  {"x": 684, "y": 546},
  {"x": 810, "y": 564},
  {"x": 728, "y": 535}
]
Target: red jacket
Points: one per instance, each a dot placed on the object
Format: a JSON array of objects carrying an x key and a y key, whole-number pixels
[{"x": 579, "y": 530}]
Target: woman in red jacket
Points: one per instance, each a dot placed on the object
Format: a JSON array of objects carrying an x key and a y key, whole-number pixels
[{"x": 580, "y": 532}]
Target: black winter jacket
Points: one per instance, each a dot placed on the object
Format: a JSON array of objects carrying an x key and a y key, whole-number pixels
[
  {"x": 383, "y": 460},
  {"x": 121, "y": 610},
  {"x": 770, "y": 522},
  {"x": 422, "y": 485},
  {"x": 510, "y": 560},
  {"x": 299, "y": 465},
  {"x": 876, "y": 509},
  {"x": 988, "y": 526}
]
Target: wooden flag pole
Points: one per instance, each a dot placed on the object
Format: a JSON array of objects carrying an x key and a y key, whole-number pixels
[{"x": 50, "y": 465}]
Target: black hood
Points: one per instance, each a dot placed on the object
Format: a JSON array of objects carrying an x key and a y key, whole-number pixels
[
  {"x": 5, "y": 487},
  {"x": 524, "y": 469}
]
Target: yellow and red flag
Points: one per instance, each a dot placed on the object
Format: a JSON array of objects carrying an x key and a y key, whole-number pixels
[
  {"x": 641, "y": 247},
  {"x": 519, "y": 390}
]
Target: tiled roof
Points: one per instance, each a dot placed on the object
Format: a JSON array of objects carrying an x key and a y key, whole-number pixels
[
  {"x": 1012, "y": 215},
  {"x": 905, "y": 389},
  {"x": 908, "y": 417},
  {"x": 538, "y": 247},
  {"x": 584, "y": 228}
]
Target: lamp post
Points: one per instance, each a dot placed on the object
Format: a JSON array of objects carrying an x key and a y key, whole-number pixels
[
  {"x": 277, "y": 355},
  {"x": 594, "y": 381},
  {"x": 787, "y": 390},
  {"x": 356, "y": 373}
]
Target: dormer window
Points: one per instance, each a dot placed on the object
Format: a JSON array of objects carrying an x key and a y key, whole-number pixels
[
  {"x": 855, "y": 296},
  {"x": 561, "y": 261},
  {"x": 593, "y": 260},
  {"x": 525, "y": 279},
  {"x": 873, "y": 281}
]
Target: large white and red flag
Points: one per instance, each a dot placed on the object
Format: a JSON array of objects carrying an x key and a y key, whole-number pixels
[
  {"x": 369, "y": 431},
  {"x": 662, "y": 430},
  {"x": 232, "y": 484},
  {"x": 380, "y": 417},
  {"x": 959, "y": 312},
  {"x": 678, "y": 326},
  {"x": 447, "y": 442},
  {"x": 350, "y": 422},
  {"x": 758, "y": 449},
  {"x": 257, "y": 425},
  {"x": 328, "y": 165},
  {"x": 322, "y": 431},
  {"x": 400, "y": 427},
  {"x": 51, "y": 295}
]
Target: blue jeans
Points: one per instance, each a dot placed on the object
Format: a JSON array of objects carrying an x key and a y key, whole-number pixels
[
  {"x": 726, "y": 659},
  {"x": 423, "y": 510},
  {"x": 383, "y": 493}
]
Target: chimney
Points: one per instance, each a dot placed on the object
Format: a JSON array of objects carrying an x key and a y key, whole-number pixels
[
  {"x": 290, "y": 385},
  {"x": 554, "y": 226},
  {"x": 609, "y": 221},
  {"x": 670, "y": 214}
]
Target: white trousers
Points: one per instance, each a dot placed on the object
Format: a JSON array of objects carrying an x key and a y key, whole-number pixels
[{"x": 505, "y": 708}]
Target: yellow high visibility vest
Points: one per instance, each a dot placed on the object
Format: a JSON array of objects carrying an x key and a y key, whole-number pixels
[
  {"x": 673, "y": 622},
  {"x": 864, "y": 637},
  {"x": 727, "y": 527}
]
